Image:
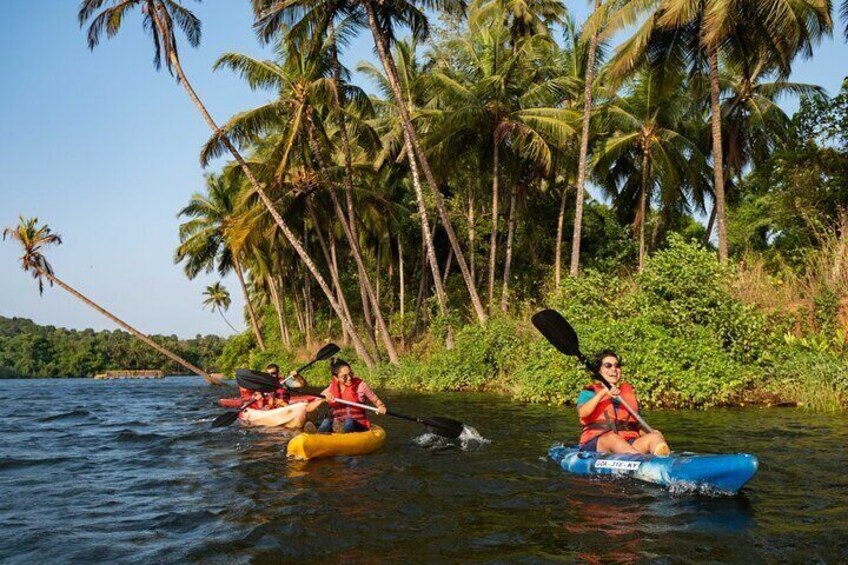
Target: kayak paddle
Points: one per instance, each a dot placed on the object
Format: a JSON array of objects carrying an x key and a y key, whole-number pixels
[
  {"x": 247, "y": 379},
  {"x": 445, "y": 427},
  {"x": 561, "y": 335}
]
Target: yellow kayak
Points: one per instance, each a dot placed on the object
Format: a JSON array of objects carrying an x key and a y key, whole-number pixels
[{"x": 310, "y": 446}]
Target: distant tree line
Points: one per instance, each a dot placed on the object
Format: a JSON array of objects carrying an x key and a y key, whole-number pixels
[{"x": 28, "y": 350}]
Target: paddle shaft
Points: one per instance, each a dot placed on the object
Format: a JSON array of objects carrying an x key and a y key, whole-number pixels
[
  {"x": 373, "y": 409},
  {"x": 597, "y": 374}
]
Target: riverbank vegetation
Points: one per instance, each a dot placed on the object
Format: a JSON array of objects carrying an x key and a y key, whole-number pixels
[{"x": 29, "y": 350}]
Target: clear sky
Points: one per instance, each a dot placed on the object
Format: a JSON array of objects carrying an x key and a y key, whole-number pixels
[{"x": 105, "y": 150}]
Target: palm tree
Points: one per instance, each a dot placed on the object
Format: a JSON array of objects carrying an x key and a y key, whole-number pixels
[
  {"x": 382, "y": 18},
  {"x": 34, "y": 238},
  {"x": 503, "y": 97},
  {"x": 646, "y": 125},
  {"x": 696, "y": 32},
  {"x": 205, "y": 244},
  {"x": 588, "y": 85},
  {"x": 218, "y": 298},
  {"x": 159, "y": 18}
]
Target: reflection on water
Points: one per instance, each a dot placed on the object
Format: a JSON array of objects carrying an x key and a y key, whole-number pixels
[{"x": 132, "y": 471}]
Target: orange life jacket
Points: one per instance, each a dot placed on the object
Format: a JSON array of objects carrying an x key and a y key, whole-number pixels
[
  {"x": 342, "y": 411},
  {"x": 611, "y": 416}
]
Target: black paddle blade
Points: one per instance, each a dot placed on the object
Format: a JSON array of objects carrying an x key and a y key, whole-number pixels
[
  {"x": 256, "y": 380},
  {"x": 327, "y": 351},
  {"x": 225, "y": 419},
  {"x": 445, "y": 427},
  {"x": 557, "y": 330}
]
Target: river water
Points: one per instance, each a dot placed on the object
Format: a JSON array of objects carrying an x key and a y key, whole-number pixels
[{"x": 130, "y": 471}]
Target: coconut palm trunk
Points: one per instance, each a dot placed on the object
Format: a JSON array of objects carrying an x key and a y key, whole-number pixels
[
  {"x": 493, "y": 242},
  {"x": 358, "y": 344},
  {"x": 642, "y": 214},
  {"x": 412, "y": 141},
  {"x": 364, "y": 281},
  {"x": 718, "y": 157},
  {"x": 275, "y": 298},
  {"x": 584, "y": 151},
  {"x": 251, "y": 312},
  {"x": 471, "y": 236},
  {"x": 510, "y": 234},
  {"x": 348, "y": 169},
  {"x": 170, "y": 355},
  {"x": 560, "y": 229},
  {"x": 284, "y": 326},
  {"x": 332, "y": 267}
]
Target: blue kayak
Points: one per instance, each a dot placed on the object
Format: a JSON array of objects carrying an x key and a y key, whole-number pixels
[{"x": 720, "y": 474}]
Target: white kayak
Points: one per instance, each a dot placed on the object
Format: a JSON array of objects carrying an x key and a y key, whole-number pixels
[{"x": 292, "y": 416}]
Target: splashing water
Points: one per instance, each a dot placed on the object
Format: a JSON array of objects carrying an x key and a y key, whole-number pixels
[{"x": 469, "y": 440}]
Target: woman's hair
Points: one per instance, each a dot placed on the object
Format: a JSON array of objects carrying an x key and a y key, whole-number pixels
[
  {"x": 272, "y": 366},
  {"x": 337, "y": 365},
  {"x": 603, "y": 354}
]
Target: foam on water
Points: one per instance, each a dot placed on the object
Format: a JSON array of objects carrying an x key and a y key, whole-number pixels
[{"x": 469, "y": 440}]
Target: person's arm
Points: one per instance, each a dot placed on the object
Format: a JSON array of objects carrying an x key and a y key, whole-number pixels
[
  {"x": 372, "y": 397},
  {"x": 585, "y": 409}
]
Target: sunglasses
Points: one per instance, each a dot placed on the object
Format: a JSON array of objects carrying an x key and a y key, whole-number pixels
[
  {"x": 609, "y": 365},
  {"x": 347, "y": 376}
]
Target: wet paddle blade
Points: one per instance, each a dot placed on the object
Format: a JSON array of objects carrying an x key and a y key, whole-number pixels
[
  {"x": 557, "y": 331},
  {"x": 445, "y": 427},
  {"x": 225, "y": 419},
  {"x": 327, "y": 351},
  {"x": 257, "y": 381}
]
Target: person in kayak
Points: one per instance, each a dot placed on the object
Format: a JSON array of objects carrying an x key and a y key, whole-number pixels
[
  {"x": 289, "y": 415},
  {"x": 343, "y": 418},
  {"x": 608, "y": 426}
]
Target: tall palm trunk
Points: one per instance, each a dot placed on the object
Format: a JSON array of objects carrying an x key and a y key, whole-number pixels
[
  {"x": 472, "y": 254},
  {"x": 359, "y": 346},
  {"x": 339, "y": 294},
  {"x": 642, "y": 214},
  {"x": 285, "y": 326},
  {"x": 331, "y": 266},
  {"x": 710, "y": 225},
  {"x": 560, "y": 229},
  {"x": 348, "y": 171},
  {"x": 221, "y": 312},
  {"x": 493, "y": 244},
  {"x": 510, "y": 234},
  {"x": 402, "y": 285},
  {"x": 718, "y": 157},
  {"x": 251, "y": 312},
  {"x": 412, "y": 141},
  {"x": 172, "y": 356},
  {"x": 275, "y": 297},
  {"x": 584, "y": 151},
  {"x": 354, "y": 247}
]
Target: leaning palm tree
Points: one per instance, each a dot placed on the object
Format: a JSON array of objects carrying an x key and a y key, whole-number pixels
[
  {"x": 161, "y": 18},
  {"x": 34, "y": 238},
  {"x": 218, "y": 298}
]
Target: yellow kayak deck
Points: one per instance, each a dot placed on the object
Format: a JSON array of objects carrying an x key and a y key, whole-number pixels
[{"x": 311, "y": 446}]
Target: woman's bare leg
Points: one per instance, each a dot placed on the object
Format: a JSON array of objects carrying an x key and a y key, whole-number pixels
[{"x": 614, "y": 443}]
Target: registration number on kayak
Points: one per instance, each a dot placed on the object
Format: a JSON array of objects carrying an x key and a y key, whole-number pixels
[{"x": 617, "y": 465}]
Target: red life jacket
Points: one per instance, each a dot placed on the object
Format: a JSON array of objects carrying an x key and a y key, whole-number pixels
[
  {"x": 281, "y": 394},
  {"x": 609, "y": 416},
  {"x": 341, "y": 411}
]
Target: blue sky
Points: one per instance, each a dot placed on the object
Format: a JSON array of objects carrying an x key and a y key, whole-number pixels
[{"x": 105, "y": 150}]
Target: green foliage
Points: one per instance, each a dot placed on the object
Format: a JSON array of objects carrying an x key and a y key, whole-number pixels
[
  {"x": 236, "y": 353},
  {"x": 28, "y": 350}
]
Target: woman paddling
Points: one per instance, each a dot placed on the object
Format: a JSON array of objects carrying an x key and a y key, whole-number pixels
[
  {"x": 607, "y": 425},
  {"x": 344, "y": 418}
]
